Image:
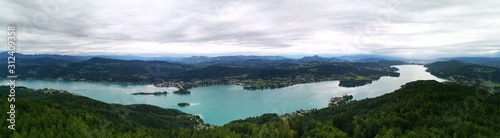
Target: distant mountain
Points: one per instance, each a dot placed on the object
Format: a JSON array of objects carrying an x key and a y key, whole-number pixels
[
  {"x": 271, "y": 61},
  {"x": 367, "y": 58},
  {"x": 196, "y": 59},
  {"x": 102, "y": 60},
  {"x": 390, "y": 62},
  {"x": 238, "y": 58},
  {"x": 44, "y": 61},
  {"x": 226, "y": 59},
  {"x": 53, "y": 56},
  {"x": 131, "y": 57},
  {"x": 83, "y": 58},
  {"x": 258, "y": 61},
  {"x": 252, "y": 63},
  {"x": 489, "y": 61},
  {"x": 317, "y": 58}
]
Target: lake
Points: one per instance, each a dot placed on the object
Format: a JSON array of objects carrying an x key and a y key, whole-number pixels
[{"x": 221, "y": 104}]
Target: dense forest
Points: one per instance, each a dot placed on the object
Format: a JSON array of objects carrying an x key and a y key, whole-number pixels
[
  {"x": 486, "y": 77},
  {"x": 418, "y": 109},
  {"x": 97, "y": 69}
]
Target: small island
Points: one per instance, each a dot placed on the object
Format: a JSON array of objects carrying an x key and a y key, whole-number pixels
[
  {"x": 182, "y": 91},
  {"x": 150, "y": 93},
  {"x": 183, "y": 104},
  {"x": 354, "y": 83}
]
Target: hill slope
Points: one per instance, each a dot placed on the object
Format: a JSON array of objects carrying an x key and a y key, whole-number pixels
[{"x": 417, "y": 109}]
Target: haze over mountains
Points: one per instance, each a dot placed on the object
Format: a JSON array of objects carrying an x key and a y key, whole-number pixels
[
  {"x": 409, "y": 29},
  {"x": 244, "y": 59}
]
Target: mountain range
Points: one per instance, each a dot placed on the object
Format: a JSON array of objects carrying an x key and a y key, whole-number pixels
[{"x": 251, "y": 61}]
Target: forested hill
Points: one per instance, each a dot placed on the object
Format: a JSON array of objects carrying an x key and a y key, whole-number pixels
[
  {"x": 488, "y": 61},
  {"x": 468, "y": 74},
  {"x": 418, "y": 109},
  {"x": 454, "y": 68},
  {"x": 96, "y": 69}
]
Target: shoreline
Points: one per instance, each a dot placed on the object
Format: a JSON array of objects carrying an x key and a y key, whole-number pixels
[{"x": 348, "y": 83}]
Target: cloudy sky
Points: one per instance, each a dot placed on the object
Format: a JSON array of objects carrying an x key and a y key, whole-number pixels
[{"x": 405, "y": 28}]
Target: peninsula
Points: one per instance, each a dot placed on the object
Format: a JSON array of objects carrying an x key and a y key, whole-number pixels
[{"x": 151, "y": 93}]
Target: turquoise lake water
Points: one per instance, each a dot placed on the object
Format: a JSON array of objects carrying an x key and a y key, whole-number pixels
[{"x": 221, "y": 104}]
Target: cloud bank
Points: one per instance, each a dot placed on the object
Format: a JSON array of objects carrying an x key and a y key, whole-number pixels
[{"x": 405, "y": 28}]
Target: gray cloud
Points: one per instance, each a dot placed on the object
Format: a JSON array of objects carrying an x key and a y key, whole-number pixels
[{"x": 403, "y": 28}]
